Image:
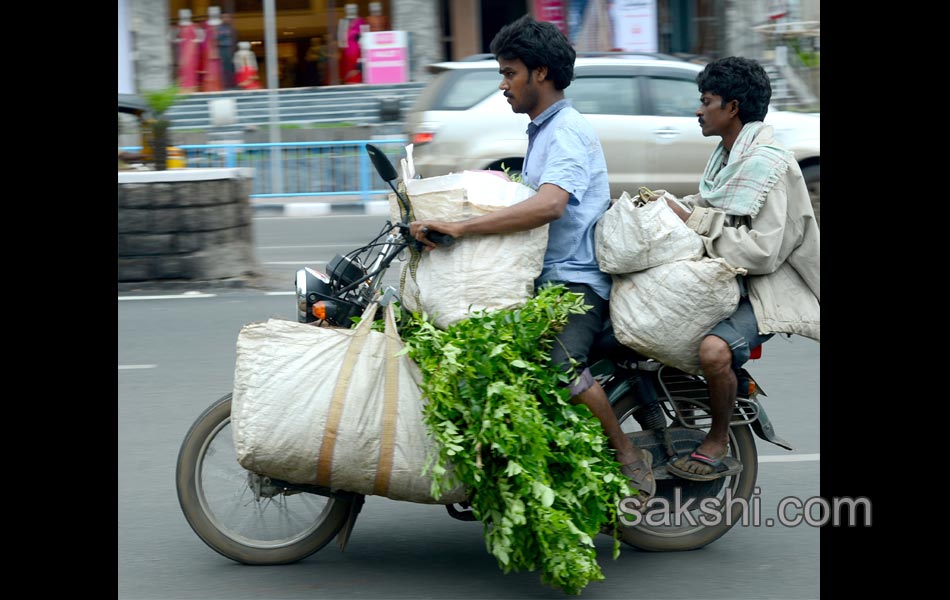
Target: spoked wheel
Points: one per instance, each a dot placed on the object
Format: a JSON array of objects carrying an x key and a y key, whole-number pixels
[
  {"x": 713, "y": 507},
  {"x": 242, "y": 515}
]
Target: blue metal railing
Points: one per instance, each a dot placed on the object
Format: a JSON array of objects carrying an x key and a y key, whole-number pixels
[{"x": 336, "y": 168}]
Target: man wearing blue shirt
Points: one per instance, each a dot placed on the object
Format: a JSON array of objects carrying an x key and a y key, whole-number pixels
[{"x": 566, "y": 165}]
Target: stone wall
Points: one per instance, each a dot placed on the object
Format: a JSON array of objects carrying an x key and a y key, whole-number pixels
[
  {"x": 151, "y": 44},
  {"x": 423, "y": 20},
  {"x": 188, "y": 224}
]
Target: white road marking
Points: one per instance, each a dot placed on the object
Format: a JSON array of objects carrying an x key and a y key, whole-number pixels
[
  {"x": 322, "y": 217},
  {"x": 185, "y": 296},
  {"x": 130, "y": 367},
  {"x": 774, "y": 458},
  {"x": 310, "y": 246}
]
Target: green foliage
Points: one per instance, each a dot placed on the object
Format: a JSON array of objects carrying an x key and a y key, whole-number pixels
[
  {"x": 810, "y": 59},
  {"x": 540, "y": 473},
  {"x": 313, "y": 125},
  {"x": 161, "y": 100},
  {"x": 331, "y": 125},
  {"x": 516, "y": 177}
]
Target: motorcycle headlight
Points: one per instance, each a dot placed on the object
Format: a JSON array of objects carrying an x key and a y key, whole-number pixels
[{"x": 312, "y": 286}]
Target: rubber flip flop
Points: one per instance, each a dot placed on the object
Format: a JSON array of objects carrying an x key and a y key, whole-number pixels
[{"x": 723, "y": 467}]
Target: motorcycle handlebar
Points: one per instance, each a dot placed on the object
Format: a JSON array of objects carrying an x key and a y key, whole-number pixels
[{"x": 438, "y": 238}]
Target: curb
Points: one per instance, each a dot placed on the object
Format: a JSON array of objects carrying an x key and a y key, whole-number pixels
[{"x": 317, "y": 209}]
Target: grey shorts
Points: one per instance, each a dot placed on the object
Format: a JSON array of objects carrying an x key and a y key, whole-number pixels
[
  {"x": 741, "y": 332},
  {"x": 577, "y": 337}
]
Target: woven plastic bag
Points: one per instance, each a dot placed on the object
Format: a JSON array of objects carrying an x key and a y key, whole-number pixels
[
  {"x": 639, "y": 233},
  {"x": 478, "y": 272},
  {"x": 664, "y": 312},
  {"x": 332, "y": 407}
]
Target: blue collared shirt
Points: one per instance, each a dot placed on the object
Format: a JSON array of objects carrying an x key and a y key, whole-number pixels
[{"x": 563, "y": 149}]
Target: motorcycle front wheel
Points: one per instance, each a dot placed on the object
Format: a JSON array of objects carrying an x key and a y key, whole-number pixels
[
  {"x": 239, "y": 514},
  {"x": 667, "y": 529}
]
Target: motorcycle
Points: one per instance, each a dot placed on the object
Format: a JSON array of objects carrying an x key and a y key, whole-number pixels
[{"x": 259, "y": 520}]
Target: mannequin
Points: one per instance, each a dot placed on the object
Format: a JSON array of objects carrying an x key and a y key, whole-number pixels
[
  {"x": 245, "y": 68},
  {"x": 350, "y": 29},
  {"x": 315, "y": 64},
  {"x": 211, "y": 53},
  {"x": 376, "y": 19},
  {"x": 227, "y": 46},
  {"x": 596, "y": 32},
  {"x": 189, "y": 40}
]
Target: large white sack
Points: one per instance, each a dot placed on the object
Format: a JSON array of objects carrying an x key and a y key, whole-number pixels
[
  {"x": 664, "y": 312},
  {"x": 311, "y": 405},
  {"x": 631, "y": 238},
  {"x": 479, "y": 272}
]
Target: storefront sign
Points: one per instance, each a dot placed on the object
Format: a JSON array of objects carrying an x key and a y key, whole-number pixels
[
  {"x": 635, "y": 25},
  {"x": 385, "y": 56}
]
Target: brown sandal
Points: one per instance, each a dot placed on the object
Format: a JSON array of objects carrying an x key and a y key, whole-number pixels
[{"x": 640, "y": 474}]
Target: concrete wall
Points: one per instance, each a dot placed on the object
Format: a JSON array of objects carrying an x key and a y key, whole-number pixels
[
  {"x": 740, "y": 39},
  {"x": 192, "y": 224}
]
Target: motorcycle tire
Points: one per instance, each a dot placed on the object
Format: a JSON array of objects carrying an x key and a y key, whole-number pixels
[
  {"x": 262, "y": 526},
  {"x": 702, "y": 529}
]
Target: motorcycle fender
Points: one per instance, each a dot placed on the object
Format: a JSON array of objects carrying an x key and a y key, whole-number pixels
[
  {"x": 764, "y": 429},
  {"x": 356, "y": 505},
  {"x": 618, "y": 390}
]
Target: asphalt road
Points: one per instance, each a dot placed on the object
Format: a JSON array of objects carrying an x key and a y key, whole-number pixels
[{"x": 176, "y": 356}]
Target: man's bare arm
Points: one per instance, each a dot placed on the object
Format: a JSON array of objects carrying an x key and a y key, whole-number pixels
[{"x": 540, "y": 209}]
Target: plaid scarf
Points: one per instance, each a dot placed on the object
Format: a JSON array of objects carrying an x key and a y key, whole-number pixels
[{"x": 740, "y": 187}]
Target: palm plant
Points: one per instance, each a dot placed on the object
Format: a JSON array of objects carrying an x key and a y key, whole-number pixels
[{"x": 156, "y": 130}]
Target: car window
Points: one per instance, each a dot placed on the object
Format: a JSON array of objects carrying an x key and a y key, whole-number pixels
[
  {"x": 605, "y": 95},
  {"x": 674, "y": 97},
  {"x": 458, "y": 89}
]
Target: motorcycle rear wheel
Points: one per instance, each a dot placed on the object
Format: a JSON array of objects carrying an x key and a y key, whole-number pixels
[
  {"x": 669, "y": 533},
  {"x": 266, "y": 526}
]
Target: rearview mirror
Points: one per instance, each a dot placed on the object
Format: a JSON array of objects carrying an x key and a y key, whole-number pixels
[{"x": 383, "y": 166}]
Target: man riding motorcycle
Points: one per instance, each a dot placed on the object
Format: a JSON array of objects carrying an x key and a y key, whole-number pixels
[
  {"x": 753, "y": 210},
  {"x": 566, "y": 165}
]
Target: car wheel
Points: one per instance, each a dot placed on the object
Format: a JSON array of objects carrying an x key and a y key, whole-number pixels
[{"x": 812, "y": 175}]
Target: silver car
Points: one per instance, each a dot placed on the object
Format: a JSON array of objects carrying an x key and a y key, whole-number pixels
[{"x": 642, "y": 107}]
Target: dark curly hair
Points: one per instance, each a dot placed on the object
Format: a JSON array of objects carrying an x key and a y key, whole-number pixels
[
  {"x": 537, "y": 44},
  {"x": 738, "y": 78}
]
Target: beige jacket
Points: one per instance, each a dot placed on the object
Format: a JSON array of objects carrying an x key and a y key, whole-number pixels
[{"x": 780, "y": 248}]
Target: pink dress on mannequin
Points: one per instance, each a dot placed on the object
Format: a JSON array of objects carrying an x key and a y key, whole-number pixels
[
  {"x": 349, "y": 62},
  {"x": 189, "y": 40},
  {"x": 211, "y": 80}
]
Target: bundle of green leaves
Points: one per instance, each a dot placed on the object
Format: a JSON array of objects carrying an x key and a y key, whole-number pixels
[{"x": 540, "y": 473}]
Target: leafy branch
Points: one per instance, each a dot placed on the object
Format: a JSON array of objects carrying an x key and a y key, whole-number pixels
[{"x": 541, "y": 476}]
